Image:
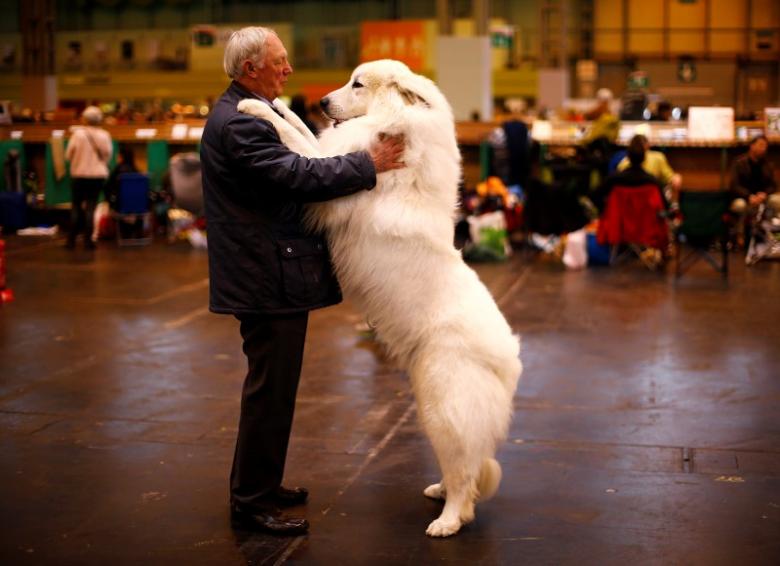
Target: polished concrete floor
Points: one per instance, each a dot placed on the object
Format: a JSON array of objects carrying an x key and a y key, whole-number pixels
[{"x": 647, "y": 428}]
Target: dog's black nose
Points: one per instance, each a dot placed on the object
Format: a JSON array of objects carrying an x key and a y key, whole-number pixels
[{"x": 324, "y": 102}]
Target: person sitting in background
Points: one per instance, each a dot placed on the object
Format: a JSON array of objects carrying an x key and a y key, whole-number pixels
[
  {"x": 655, "y": 164},
  {"x": 635, "y": 175},
  {"x": 606, "y": 125},
  {"x": 635, "y": 216},
  {"x": 125, "y": 164},
  {"x": 133, "y": 227},
  {"x": 752, "y": 180},
  {"x": 599, "y": 142}
]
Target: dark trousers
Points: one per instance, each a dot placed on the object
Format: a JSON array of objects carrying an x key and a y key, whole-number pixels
[
  {"x": 84, "y": 191},
  {"x": 274, "y": 349}
]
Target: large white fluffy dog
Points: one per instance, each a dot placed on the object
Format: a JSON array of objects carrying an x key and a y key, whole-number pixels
[{"x": 393, "y": 252}]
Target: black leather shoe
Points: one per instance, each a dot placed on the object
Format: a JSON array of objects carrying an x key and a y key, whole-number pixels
[
  {"x": 268, "y": 521},
  {"x": 285, "y": 497}
]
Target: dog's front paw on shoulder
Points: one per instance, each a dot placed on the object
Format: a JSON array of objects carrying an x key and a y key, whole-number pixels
[
  {"x": 252, "y": 106},
  {"x": 442, "y": 528}
]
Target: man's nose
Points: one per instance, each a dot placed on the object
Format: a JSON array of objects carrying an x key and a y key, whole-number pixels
[{"x": 324, "y": 102}]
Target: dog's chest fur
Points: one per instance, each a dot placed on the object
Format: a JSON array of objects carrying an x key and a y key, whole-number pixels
[{"x": 384, "y": 239}]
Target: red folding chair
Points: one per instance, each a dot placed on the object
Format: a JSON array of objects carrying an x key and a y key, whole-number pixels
[{"x": 634, "y": 221}]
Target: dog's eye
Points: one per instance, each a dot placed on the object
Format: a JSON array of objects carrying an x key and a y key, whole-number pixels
[{"x": 357, "y": 84}]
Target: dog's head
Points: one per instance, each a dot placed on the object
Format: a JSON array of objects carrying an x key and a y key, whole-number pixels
[{"x": 385, "y": 84}]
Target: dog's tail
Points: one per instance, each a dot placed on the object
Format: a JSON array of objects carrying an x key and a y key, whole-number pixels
[{"x": 489, "y": 479}]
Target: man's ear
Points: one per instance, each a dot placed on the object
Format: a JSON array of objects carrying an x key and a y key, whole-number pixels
[{"x": 249, "y": 68}]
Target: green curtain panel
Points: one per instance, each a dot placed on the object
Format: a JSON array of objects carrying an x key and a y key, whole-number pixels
[
  {"x": 156, "y": 162},
  {"x": 5, "y": 147}
]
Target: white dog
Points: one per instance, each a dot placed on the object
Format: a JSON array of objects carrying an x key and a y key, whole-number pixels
[{"x": 393, "y": 252}]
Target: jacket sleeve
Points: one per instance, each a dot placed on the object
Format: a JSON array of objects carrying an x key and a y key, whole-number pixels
[
  {"x": 737, "y": 185},
  {"x": 257, "y": 151}
]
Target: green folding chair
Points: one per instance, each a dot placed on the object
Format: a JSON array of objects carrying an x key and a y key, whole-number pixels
[{"x": 704, "y": 228}]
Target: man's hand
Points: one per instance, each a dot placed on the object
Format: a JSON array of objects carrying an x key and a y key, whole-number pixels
[
  {"x": 757, "y": 198},
  {"x": 386, "y": 153}
]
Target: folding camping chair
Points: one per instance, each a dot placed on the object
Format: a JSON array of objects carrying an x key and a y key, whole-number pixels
[
  {"x": 765, "y": 235},
  {"x": 704, "y": 225},
  {"x": 134, "y": 219},
  {"x": 634, "y": 221}
]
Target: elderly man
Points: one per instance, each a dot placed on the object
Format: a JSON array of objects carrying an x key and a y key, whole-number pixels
[
  {"x": 265, "y": 268},
  {"x": 89, "y": 152},
  {"x": 752, "y": 176},
  {"x": 752, "y": 184}
]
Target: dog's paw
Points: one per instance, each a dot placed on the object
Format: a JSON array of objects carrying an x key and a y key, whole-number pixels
[
  {"x": 253, "y": 107},
  {"x": 442, "y": 528},
  {"x": 435, "y": 491}
]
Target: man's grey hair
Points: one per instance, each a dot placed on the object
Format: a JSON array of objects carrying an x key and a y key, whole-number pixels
[
  {"x": 92, "y": 115},
  {"x": 246, "y": 43}
]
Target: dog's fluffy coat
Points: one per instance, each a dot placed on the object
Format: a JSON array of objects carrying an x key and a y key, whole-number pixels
[{"x": 393, "y": 252}]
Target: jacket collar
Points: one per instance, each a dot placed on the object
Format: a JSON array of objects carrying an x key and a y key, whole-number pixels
[{"x": 240, "y": 91}]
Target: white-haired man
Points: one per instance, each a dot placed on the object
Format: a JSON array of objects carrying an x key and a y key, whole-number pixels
[
  {"x": 265, "y": 268},
  {"x": 89, "y": 151}
]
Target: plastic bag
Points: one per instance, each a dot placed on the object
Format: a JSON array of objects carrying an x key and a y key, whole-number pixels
[
  {"x": 489, "y": 238},
  {"x": 575, "y": 254}
]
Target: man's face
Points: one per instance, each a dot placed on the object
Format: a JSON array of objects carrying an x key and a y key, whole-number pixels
[
  {"x": 272, "y": 77},
  {"x": 758, "y": 149}
]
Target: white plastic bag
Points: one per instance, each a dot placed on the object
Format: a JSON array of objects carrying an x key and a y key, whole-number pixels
[{"x": 575, "y": 254}]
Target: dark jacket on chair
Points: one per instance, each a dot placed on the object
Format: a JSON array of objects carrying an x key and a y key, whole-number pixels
[{"x": 261, "y": 258}]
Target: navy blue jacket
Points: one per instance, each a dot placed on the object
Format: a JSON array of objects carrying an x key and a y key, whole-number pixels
[{"x": 261, "y": 258}]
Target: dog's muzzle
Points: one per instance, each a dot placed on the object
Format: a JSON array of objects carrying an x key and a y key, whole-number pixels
[{"x": 324, "y": 104}]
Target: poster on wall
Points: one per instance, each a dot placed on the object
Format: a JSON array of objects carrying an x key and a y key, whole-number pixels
[
  {"x": 772, "y": 122},
  {"x": 400, "y": 40},
  {"x": 710, "y": 123}
]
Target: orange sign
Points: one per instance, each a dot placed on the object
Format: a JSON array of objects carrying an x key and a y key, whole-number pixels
[{"x": 400, "y": 40}]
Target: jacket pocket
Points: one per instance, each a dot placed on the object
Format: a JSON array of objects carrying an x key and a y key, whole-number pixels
[{"x": 304, "y": 270}]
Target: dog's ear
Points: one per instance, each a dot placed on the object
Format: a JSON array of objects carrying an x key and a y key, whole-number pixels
[{"x": 409, "y": 97}]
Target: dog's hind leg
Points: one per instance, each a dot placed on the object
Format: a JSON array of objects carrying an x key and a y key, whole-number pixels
[
  {"x": 464, "y": 411},
  {"x": 461, "y": 491}
]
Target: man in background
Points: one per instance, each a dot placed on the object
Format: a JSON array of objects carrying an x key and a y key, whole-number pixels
[
  {"x": 752, "y": 182},
  {"x": 89, "y": 151}
]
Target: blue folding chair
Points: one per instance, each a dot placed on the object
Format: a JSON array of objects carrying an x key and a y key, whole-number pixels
[{"x": 134, "y": 219}]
